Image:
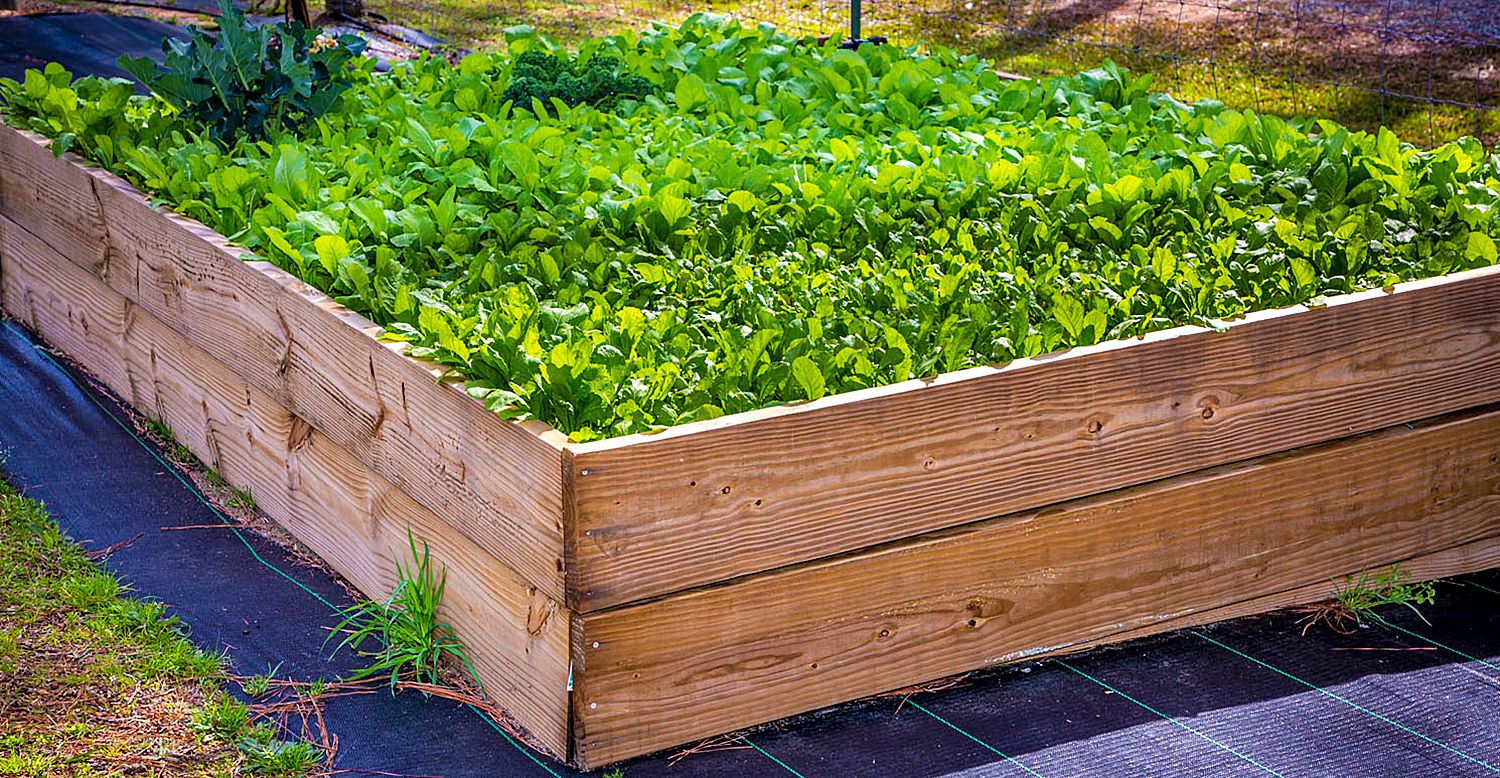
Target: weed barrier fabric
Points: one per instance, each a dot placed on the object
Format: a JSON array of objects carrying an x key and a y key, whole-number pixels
[
  {"x": 81, "y": 42},
  {"x": 1249, "y": 697},
  {"x": 104, "y": 487}
]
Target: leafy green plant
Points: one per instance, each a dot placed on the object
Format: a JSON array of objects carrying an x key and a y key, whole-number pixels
[
  {"x": 267, "y": 754},
  {"x": 410, "y": 638},
  {"x": 222, "y": 718},
  {"x": 250, "y": 80},
  {"x": 260, "y": 685},
  {"x": 158, "y": 428},
  {"x": 543, "y": 76},
  {"x": 241, "y": 500},
  {"x": 776, "y": 221},
  {"x": 182, "y": 455},
  {"x": 1360, "y": 596},
  {"x": 1357, "y": 600}
]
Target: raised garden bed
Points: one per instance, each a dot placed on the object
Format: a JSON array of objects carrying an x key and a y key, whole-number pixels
[
  {"x": 723, "y": 573},
  {"x": 726, "y": 573}
]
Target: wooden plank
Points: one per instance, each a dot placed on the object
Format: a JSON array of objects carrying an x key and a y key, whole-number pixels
[
  {"x": 653, "y": 514},
  {"x": 1125, "y": 563},
  {"x": 1467, "y": 558},
  {"x": 497, "y": 482},
  {"x": 355, "y": 520}
]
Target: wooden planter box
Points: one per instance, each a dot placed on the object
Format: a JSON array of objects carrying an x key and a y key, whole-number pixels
[{"x": 722, "y": 574}]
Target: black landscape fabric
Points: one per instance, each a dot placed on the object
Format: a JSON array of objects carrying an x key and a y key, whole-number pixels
[
  {"x": 63, "y": 448},
  {"x": 84, "y": 43},
  {"x": 1250, "y": 697}
]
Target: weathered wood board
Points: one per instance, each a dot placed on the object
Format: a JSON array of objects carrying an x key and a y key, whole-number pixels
[
  {"x": 497, "y": 482},
  {"x": 699, "y": 503},
  {"x": 1120, "y": 564},
  {"x": 354, "y": 519}
]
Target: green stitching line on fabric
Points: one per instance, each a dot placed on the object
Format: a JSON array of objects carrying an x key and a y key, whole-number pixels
[
  {"x": 960, "y": 731},
  {"x": 1482, "y": 586},
  {"x": 1174, "y": 720},
  {"x": 1449, "y": 649},
  {"x": 236, "y": 530},
  {"x": 1351, "y": 704},
  {"x": 768, "y": 755},
  {"x": 512, "y": 741}
]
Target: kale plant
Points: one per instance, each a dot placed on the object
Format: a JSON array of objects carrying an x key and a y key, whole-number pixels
[
  {"x": 595, "y": 81},
  {"x": 250, "y": 80}
]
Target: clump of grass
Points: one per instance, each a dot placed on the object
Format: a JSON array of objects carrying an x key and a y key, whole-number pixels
[
  {"x": 410, "y": 638},
  {"x": 241, "y": 500},
  {"x": 266, "y": 754},
  {"x": 260, "y": 685},
  {"x": 1356, "y": 601},
  {"x": 1360, "y": 597},
  {"x": 67, "y": 628},
  {"x": 158, "y": 428},
  {"x": 181, "y": 455},
  {"x": 222, "y": 719},
  {"x": 228, "y": 722}
]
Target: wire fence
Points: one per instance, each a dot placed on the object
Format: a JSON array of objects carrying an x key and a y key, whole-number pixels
[{"x": 1428, "y": 69}]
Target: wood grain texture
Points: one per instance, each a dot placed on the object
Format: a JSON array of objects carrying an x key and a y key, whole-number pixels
[
  {"x": 705, "y": 502},
  {"x": 518, "y": 638},
  {"x": 1096, "y": 569},
  {"x": 497, "y": 482},
  {"x": 1467, "y": 558}
]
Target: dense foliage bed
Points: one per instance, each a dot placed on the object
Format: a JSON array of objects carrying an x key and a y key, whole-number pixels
[{"x": 774, "y": 220}]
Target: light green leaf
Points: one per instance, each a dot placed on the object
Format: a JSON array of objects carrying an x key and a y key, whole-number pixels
[
  {"x": 1304, "y": 272},
  {"x": 692, "y": 93},
  {"x": 808, "y": 376},
  {"x": 1164, "y": 264},
  {"x": 743, "y": 201},
  {"x": 279, "y": 241},
  {"x": 331, "y": 249},
  {"x": 1069, "y": 313},
  {"x": 1481, "y": 247},
  {"x": 673, "y": 208}
]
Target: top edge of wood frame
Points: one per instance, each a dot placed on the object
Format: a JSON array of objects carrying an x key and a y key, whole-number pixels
[
  {"x": 1024, "y": 363},
  {"x": 544, "y": 432}
]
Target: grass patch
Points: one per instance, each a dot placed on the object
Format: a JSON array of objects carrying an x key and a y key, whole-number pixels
[
  {"x": 409, "y": 639},
  {"x": 1357, "y": 600},
  {"x": 1360, "y": 596},
  {"x": 241, "y": 500},
  {"x": 95, "y": 682}
]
